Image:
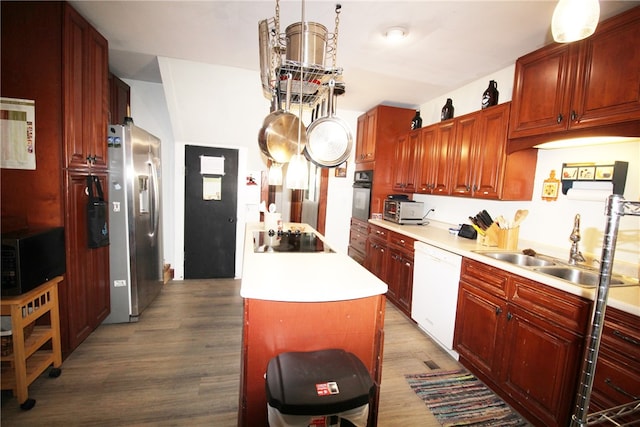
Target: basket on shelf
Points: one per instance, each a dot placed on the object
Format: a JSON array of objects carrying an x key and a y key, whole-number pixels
[{"x": 7, "y": 340}]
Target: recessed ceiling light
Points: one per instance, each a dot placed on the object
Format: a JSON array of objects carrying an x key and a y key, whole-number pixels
[{"x": 395, "y": 33}]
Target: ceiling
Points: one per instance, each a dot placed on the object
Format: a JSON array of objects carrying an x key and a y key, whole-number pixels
[{"x": 450, "y": 43}]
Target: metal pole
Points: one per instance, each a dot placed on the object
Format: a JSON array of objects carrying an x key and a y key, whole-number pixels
[{"x": 613, "y": 211}]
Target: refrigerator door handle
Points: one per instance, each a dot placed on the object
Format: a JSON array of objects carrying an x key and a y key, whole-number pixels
[{"x": 155, "y": 216}]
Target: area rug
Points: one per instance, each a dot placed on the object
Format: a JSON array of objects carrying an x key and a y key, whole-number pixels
[{"x": 458, "y": 398}]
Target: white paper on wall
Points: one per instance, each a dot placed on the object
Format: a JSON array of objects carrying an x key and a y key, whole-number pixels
[{"x": 210, "y": 165}]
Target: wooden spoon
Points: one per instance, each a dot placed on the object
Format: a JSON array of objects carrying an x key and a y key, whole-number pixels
[{"x": 520, "y": 215}]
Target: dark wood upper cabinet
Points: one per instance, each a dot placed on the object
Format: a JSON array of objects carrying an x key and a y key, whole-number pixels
[
  {"x": 586, "y": 88},
  {"x": 119, "y": 100},
  {"x": 85, "y": 65}
]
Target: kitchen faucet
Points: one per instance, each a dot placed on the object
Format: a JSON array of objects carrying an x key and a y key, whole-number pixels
[{"x": 575, "y": 255}]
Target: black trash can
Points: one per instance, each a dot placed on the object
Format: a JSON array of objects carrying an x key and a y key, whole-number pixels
[{"x": 304, "y": 386}]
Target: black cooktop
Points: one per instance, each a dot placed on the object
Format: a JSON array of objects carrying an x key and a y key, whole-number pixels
[{"x": 288, "y": 241}]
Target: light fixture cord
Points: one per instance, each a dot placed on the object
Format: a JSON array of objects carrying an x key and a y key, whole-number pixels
[{"x": 304, "y": 34}]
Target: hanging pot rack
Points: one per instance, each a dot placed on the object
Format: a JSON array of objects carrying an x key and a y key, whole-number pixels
[{"x": 315, "y": 78}]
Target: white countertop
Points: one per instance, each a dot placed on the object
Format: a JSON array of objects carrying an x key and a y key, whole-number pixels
[
  {"x": 624, "y": 298},
  {"x": 304, "y": 277}
]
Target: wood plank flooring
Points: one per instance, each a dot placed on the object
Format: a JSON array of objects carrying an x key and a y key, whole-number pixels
[{"x": 179, "y": 365}]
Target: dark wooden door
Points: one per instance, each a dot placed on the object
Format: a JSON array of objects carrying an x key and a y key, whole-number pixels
[{"x": 211, "y": 201}]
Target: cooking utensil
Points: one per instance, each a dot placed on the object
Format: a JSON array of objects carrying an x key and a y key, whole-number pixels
[
  {"x": 329, "y": 138},
  {"x": 520, "y": 215},
  {"x": 278, "y": 137}
]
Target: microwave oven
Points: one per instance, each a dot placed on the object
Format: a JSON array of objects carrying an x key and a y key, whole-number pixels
[
  {"x": 403, "y": 211},
  {"x": 31, "y": 257}
]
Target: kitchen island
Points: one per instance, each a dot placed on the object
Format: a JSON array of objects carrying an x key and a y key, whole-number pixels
[{"x": 305, "y": 301}]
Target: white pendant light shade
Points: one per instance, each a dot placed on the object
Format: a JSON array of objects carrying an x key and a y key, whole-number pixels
[
  {"x": 275, "y": 174},
  {"x": 297, "y": 173},
  {"x": 574, "y": 20}
]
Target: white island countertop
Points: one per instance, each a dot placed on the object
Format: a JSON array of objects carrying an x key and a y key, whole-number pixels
[
  {"x": 305, "y": 276},
  {"x": 623, "y": 298}
]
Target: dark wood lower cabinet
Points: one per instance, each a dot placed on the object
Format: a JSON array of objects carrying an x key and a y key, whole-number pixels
[
  {"x": 86, "y": 300},
  {"x": 526, "y": 345},
  {"x": 389, "y": 256},
  {"x": 617, "y": 378}
]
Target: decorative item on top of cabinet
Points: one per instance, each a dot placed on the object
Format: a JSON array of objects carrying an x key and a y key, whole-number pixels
[
  {"x": 595, "y": 89},
  {"x": 523, "y": 338},
  {"x": 490, "y": 96},
  {"x": 416, "y": 122},
  {"x": 447, "y": 110}
]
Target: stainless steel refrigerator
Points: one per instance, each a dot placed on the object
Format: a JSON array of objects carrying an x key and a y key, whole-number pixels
[{"x": 135, "y": 221}]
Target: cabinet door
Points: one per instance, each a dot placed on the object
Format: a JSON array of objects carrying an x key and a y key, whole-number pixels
[
  {"x": 462, "y": 155},
  {"x": 540, "y": 365},
  {"x": 441, "y": 181},
  {"x": 375, "y": 260},
  {"x": 541, "y": 91},
  {"x": 85, "y": 94},
  {"x": 479, "y": 328},
  {"x": 405, "y": 162},
  {"x": 361, "y": 137},
  {"x": 119, "y": 100},
  {"x": 369, "y": 148},
  {"x": 489, "y": 152},
  {"x": 608, "y": 81},
  {"x": 87, "y": 291},
  {"x": 426, "y": 159},
  {"x": 405, "y": 279}
]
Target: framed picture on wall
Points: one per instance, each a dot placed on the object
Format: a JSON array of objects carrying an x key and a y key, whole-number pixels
[{"x": 341, "y": 170}]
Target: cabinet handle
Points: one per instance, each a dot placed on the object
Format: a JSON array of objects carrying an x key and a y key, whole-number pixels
[
  {"x": 475, "y": 187},
  {"x": 574, "y": 115},
  {"x": 619, "y": 389},
  {"x": 498, "y": 311},
  {"x": 509, "y": 316},
  {"x": 559, "y": 119},
  {"x": 625, "y": 337}
]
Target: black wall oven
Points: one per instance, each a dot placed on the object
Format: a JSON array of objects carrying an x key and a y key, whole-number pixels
[{"x": 362, "y": 195}]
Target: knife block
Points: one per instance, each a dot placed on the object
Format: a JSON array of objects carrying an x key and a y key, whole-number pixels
[{"x": 503, "y": 238}]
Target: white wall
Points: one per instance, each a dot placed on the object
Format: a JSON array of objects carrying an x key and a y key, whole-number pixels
[{"x": 222, "y": 106}]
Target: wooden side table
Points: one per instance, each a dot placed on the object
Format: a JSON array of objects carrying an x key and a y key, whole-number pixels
[{"x": 31, "y": 356}]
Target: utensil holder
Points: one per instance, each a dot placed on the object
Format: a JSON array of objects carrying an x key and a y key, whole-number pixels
[
  {"x": 508, "y": 238},
  {"x": 503, "y": 238},
  {"x": 273, "y": 221}
]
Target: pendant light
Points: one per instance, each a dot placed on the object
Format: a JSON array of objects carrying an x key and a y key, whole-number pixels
[
  {"x": 574, "y": 20},
  {"x": 298, "y": 169}
]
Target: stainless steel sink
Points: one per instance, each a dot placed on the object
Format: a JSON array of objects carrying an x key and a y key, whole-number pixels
[
  {"x": 579, "y": 276},
  {"x": 518, "y": 259}
]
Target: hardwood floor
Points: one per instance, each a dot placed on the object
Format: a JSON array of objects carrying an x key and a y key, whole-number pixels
[{"x": 179, "y": 365}]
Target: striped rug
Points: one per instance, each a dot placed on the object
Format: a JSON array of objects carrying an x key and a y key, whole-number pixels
[{"x": 458, "y": 398}]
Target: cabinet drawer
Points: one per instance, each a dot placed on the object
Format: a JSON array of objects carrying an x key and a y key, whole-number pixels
[
  {"x": 378, "y": 232},
  {"x": 621, "y": 332},
  {"x": 401, "y": 241},
  {"x": 554, "y": 305},
  {"x": 358, "y": 240},
  {"x": 483, "y": 276},
  {"x": 614, "y": 383}
]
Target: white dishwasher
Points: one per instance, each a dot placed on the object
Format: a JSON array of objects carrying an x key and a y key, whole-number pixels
[{"x": 436, "y": 274}]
